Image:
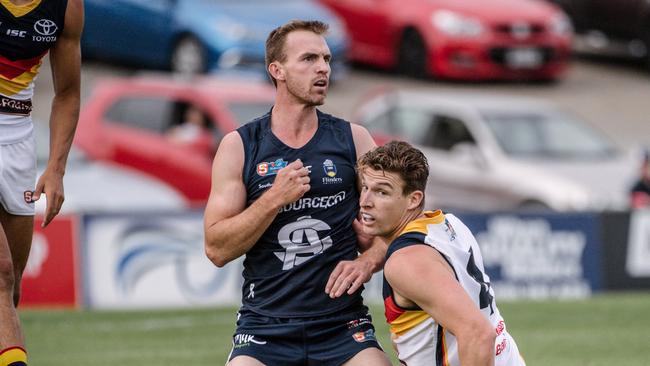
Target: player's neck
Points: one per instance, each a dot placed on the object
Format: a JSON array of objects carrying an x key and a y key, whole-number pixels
[
  {"x": 294, "y": 124},
  {"x": 406, "y": 219}
]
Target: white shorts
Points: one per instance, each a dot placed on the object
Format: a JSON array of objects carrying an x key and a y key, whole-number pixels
[{"x": 18, "y": 176}]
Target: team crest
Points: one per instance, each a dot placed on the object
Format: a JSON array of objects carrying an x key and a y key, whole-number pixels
[
  {"x": 329, "y": 168},
  {"x": 270, "y": 168}
]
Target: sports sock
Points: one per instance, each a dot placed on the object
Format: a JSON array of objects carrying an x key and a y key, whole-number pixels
[{"x": 13, "y": 356}]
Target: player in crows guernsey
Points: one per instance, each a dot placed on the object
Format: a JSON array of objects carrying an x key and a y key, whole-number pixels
[
  {"x": 284, "y": 193},
  {"x": 28, "y": 30},
  {"x": 438, "y": 299}
]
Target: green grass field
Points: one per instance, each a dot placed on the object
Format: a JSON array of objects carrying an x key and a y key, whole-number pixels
[{"x": 604, "y": 330}]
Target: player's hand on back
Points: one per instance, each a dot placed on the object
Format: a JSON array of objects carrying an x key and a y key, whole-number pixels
[{"x": 291, "y": 183}]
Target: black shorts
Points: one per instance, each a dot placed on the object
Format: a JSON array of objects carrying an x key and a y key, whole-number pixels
[{"x": 324, "y": 341}]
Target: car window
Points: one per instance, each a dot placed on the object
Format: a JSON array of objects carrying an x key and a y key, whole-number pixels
[
  {"x": 148, "y": 113},
  {"x": 429, "y": 129},
  {"x": 553, "y": 135},
  {"x": 380, "y": 123},
  {"x": 408, "y": 123},
  {"x": 445, "y": 132},
  {"x": 245, "y": 112}
]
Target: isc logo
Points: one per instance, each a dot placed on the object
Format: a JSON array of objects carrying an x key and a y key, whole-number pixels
[{"x": 16, "y": 33}]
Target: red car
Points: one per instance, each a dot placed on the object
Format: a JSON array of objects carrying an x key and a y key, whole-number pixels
[
  {"x": 135, "y": 123},
  {"x": 459, "y": 39}
]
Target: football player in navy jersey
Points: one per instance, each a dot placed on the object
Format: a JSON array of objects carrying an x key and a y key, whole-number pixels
[
  {"x": 29, "y": 29},
  {"x": 284, "y": 194}
]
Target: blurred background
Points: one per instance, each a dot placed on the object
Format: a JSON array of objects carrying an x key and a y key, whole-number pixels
[{"x": 533, "y": 115}]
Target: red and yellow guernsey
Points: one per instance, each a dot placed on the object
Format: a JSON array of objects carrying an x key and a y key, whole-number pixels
[
  {"x": 27, "y": 32},
  {"x": 418, "y": 338}
]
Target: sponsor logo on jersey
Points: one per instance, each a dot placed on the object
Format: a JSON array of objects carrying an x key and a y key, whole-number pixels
[
  {"x": 265, "y": 185},
  {"x": 450, "y": 231},
  {"x": 501, "y": 346},
  {"x": 330, "y": 170},
  {"x": 368, "y": 335},
  {"x": 16, "y": 33},
  {"x": 500, "y": 327},
  {"x": 358, "y": 322},
  {"x": 314, "y": 202},
  {"x": 301, "y": 241},
  {"x": 243, "y": 340},
  {"x": 270, "y": 168},
  {"x": 45, "y": 27}
]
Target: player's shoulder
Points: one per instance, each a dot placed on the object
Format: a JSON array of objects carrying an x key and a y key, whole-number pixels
[
  {"x": 356, "y": 128},
  {"x": 255, "y": 128},
  {"x": 326, "y": 117},
  {"x": 74, "y": 19},
  {"x": 231, "y": 145},
  {"x": 405, "y": 240},
  {"x": 74, "y": 8},
  {"x": 231, "y": 139},
  {"x": 230, "y": 156}
]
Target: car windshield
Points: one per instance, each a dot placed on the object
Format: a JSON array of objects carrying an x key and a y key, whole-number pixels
[
  {"x": 546, "y": 135},
  {"x": 247, "y": 111}
]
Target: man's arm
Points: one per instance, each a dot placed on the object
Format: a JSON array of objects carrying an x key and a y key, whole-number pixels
[
  {"x": 349, "y": 276},
  {"x": 65, "y": 59},
  {"x": 420, "y": 274},
  {"x": 231, "y": 229}
]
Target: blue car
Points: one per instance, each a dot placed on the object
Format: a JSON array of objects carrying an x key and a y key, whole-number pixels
[{"x": 197, "y": 36}]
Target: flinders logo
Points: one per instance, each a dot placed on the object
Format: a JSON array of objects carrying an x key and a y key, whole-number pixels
[{"x": 330, "y": 170}]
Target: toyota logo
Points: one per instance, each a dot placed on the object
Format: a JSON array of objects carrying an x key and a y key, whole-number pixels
[{"x": 45, "y": 27}]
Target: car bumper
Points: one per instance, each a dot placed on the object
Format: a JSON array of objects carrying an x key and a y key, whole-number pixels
[{"x": 499, "y": 60}]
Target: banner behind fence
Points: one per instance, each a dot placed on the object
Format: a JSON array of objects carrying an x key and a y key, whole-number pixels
[{"x": 158, "y": 259}]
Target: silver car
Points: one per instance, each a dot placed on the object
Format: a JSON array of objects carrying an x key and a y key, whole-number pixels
[{"x": 504, "y": 153}]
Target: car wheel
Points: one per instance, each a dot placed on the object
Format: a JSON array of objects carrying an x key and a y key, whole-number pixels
[
  {"x": 412, "y": 55},
  {"x": 188, "y": 57}
]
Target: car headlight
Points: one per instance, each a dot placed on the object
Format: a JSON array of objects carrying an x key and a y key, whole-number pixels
[
  {"x": 456, "y": 24},
  {"x": 561, "y": 25}
]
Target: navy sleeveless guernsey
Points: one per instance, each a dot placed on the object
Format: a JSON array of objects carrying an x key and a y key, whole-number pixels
[
  {"x": 26, "y": 34},
  {"x": 286, "y": 271}
]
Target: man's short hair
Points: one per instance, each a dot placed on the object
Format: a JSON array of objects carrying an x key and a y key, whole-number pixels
[
  {"x": 400, "y": 158},
  {"x": 278, "y": 37}
]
